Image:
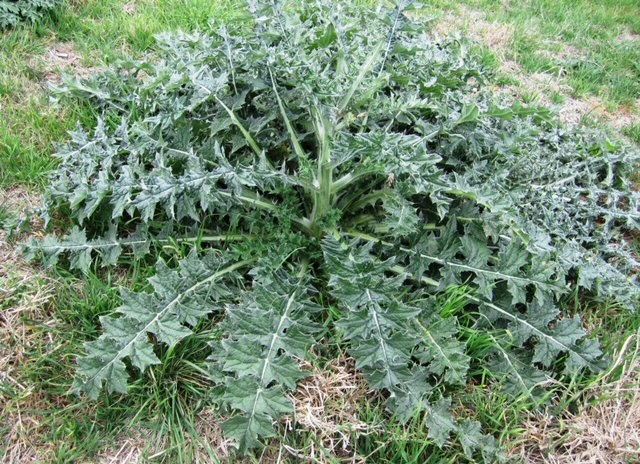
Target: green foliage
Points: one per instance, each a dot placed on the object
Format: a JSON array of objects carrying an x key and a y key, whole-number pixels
[
  {"x": 256, "y": 362},
  {"x": 332, "y": 156},
  {"x": 13, "y": 12},
  {"x": 180, "y": 297}
]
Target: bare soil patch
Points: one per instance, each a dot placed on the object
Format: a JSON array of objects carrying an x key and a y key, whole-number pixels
[
  {"x": 62, "y": 57},
  {"x": 628, "y": 36}
]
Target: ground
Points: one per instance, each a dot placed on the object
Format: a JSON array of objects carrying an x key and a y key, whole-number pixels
[{"x": 580, "y": 58}]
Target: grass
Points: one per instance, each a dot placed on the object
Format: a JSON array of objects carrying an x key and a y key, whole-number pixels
[
  {"x": 590, "y": 45},
  {"x": 579, "y": 56},
  {"x": 593, "y": 43},
  {"x": 100, "y": 32},
  {"x": 633, "y": 132},
  {"x": 164, "y": 401}
]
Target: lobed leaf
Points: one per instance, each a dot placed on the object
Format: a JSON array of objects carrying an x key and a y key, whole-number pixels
[
  {"x": 256, "y": 362},
  {"x": 180, "y": 298}
]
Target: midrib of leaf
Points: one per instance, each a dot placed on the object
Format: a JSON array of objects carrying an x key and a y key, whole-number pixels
[
  {"x": 533, "y": 328},
  {"x": 174, "y": 186},
  {"x": 351, "y": 178},
  {"x": 230, "y": 58},
  {"x": 322, "y": 198},
  {"x": 427, "y": 332},
  {"x": 248, "y": 137},
  {"x": 297, "y": 148},
  {"x": 246, "y": 196},
  {"x": 131, "y": 242},
  {"x": 466, "y": 267},
  {"x": 119, "y": 355},
  {"x": 434, "y": 283},
  {"x": 366, "y": 199},
  {"x": 82, "y": 148},
  {"x": 512, "y": 368},
  {"x": 270, "y": 353},
  {"x": 366, "y": 67},
  {"x": 380, "y": 338},
  {"x": 391, "y": 34},
  {"x": 505, "y": 313}
]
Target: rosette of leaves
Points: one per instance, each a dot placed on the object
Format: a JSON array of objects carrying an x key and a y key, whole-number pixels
[
  {"x": 14, "y": 12},
  {"x": 338, "y": 173}
]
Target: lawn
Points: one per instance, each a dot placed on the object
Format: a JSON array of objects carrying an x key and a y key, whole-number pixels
[{"x": 580, "y": 59}]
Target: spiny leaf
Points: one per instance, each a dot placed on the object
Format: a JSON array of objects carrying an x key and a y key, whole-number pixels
[
  {"x": 386, "y": 334},
  {"x": 256, "y": 361},
  {"x": 13, "y": 13},
  {"x": 444, "y": 353},
  {"x": 181, "y": 297}
]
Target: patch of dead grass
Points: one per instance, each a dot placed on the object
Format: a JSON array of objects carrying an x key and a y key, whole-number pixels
[
  {"x": 605, "y": 431},
  {"x": 14, "y": 271},
  {"x": 476, "y": 25},
  {"x": 628, "y": 36},
  {"x": 563, "y": 53},
  {"x": 128, "y": 449},
  {"x": 326, "y": 409},
  {"x": 62, "y": 57},
  {"x": 25, "y": 293},
  {"x": 25, "y": 432},
  {"x": 59, "y": 58},
  {"x": 212, "y": 439},
  {"x": 573, "y": 110}
]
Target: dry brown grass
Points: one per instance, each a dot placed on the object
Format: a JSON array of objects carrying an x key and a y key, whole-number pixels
[
  {"x": 605, "y": 431},
  {"x": 476, "y": 25},
  {"x": 326, "y": 409},
  {"x": 132, "y": 448},
  {"x": 498, "y": 37},
  {"x": 60, "y": 58},
  {"x": 25, "y": 293},
  {"x": 63, "y": 58},
  {"x": 574, "y": 110},
  {"x": 326, "y": 412},
  {"x": 211, "y": 439},
  {"x": 540, "y": 86}
]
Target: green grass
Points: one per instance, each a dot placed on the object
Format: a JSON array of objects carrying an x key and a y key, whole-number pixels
[
  {"x": 101, "y": 32},
  {"x": 166, "y": 400},
  {"x": 163, "y": 402},
  {"x": 593, "y": 43},
  {"x": 28, "y": 135},
  {"x": 633, "y": 132}
]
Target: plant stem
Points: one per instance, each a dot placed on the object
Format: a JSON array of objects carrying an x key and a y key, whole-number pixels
[
  {"x": 252, "y": 198},
  {"x": 323, "y": 197},
  {"x": 370, "y": 198},
  {"x": 214, "y": 238}
]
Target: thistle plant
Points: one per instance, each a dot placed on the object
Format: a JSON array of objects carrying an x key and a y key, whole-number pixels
[
  {"x": 14, "y": 12},
  {"x": 336, "y": 169}
]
